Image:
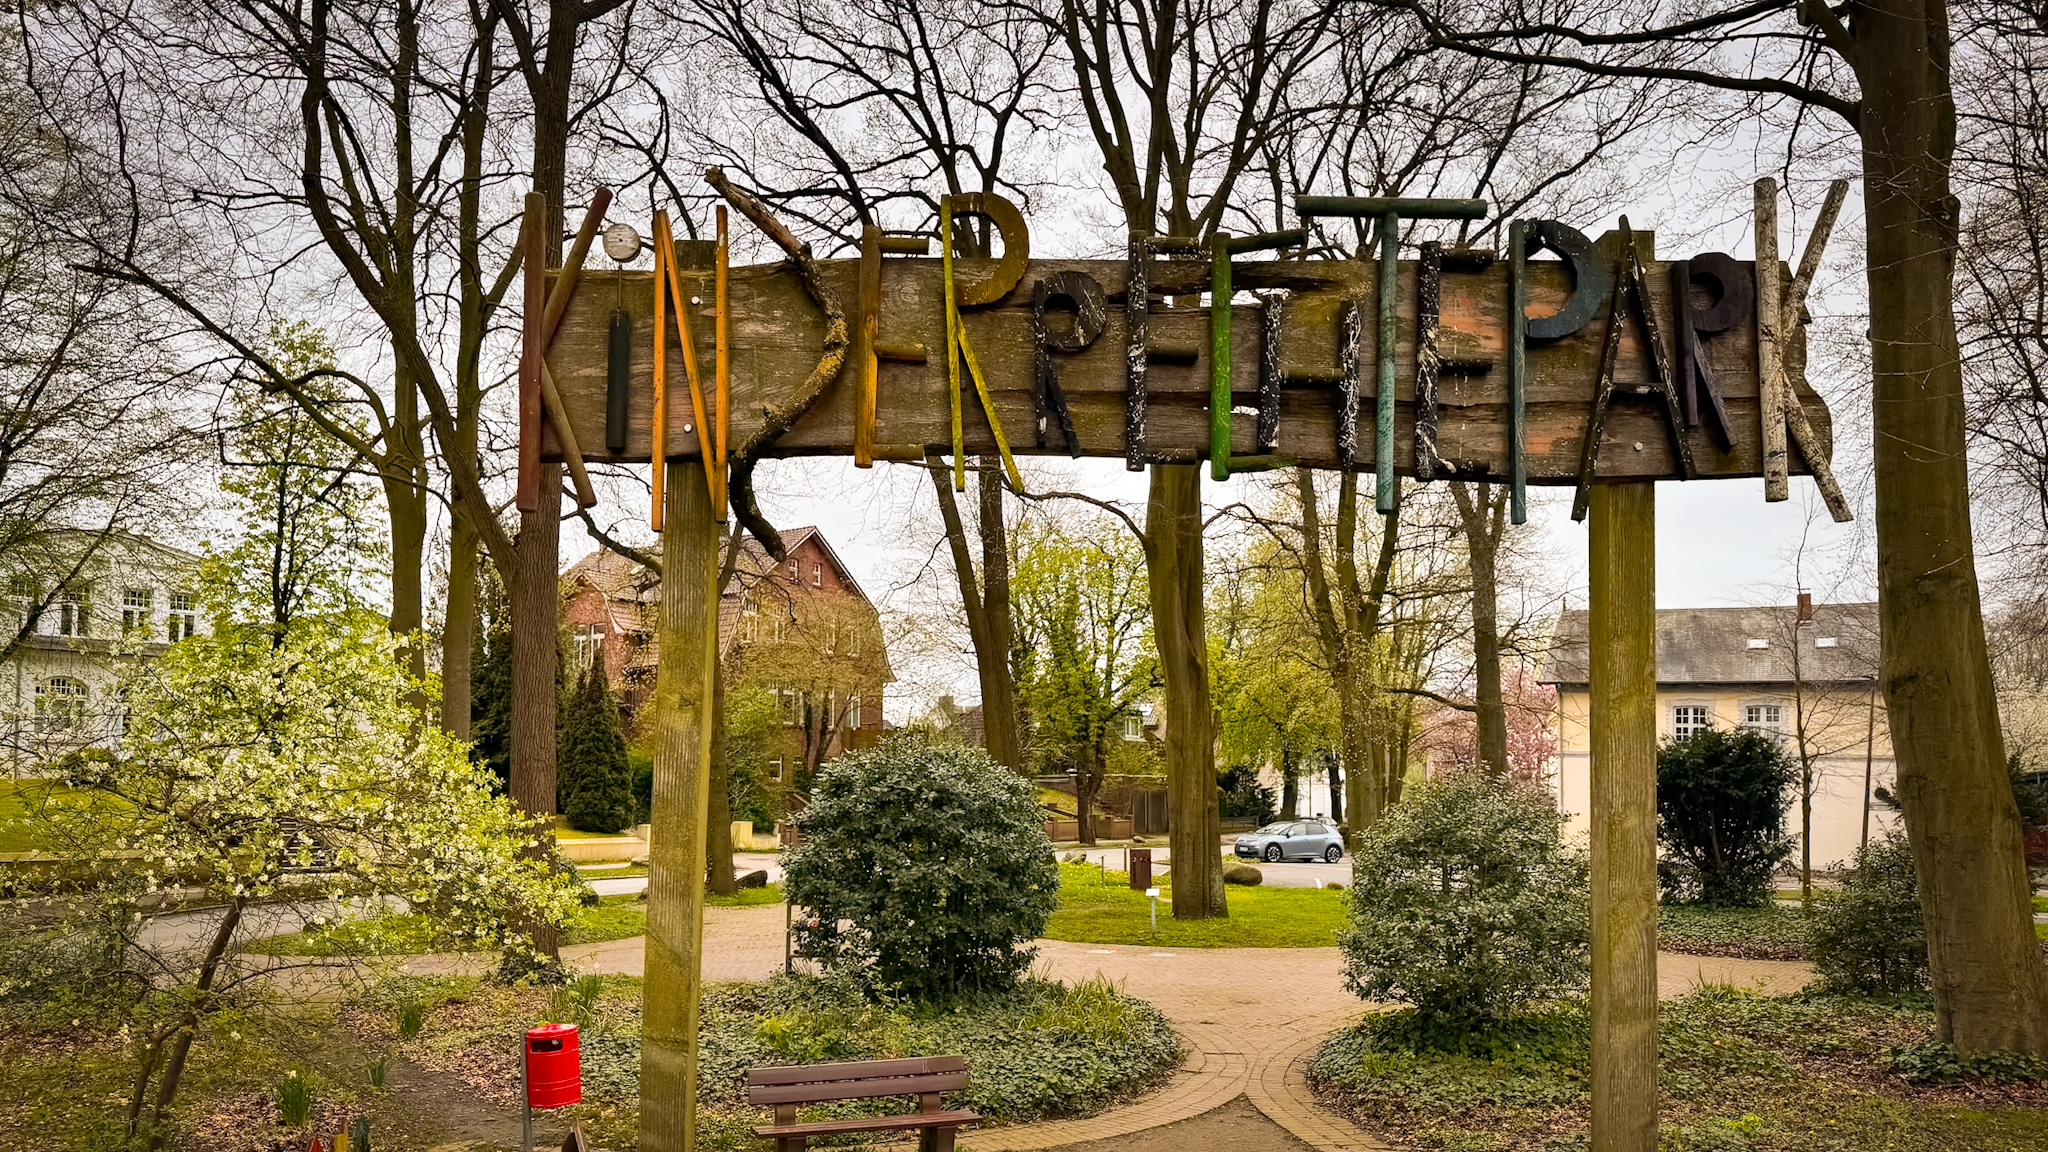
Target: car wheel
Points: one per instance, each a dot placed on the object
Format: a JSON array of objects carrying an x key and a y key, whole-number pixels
[
  {"x": 1333, "y": 854},
  {"x": 1272, "y": 853}
]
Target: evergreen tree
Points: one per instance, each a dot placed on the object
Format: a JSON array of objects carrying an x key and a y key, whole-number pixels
[
  {"x": 490, "y": 684},
  {"x": 597, "y": 783}
]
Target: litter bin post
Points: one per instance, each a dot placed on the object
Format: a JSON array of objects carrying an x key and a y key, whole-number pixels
[{"x": 1141, "y": 869}]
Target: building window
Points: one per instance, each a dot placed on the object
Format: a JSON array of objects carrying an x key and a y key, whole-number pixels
[
  {"x": 1687, "y": 719},
  {"x": 775, "y": 767},
  {"x": 135, "y": 605},
  {"x": 1764, "y": 718},
  {"x": 853, "y": 716},
  {"x": 817, "y": 575},
  {"x": 750, "y": 619},
  {"x": 1134, "y": 727},
  {"x": 183, "y": 617},
  {"x": 73, "y": 612},
  {"x": 1826, "y": 642},
  {"x": 21, "y": 596},
  {"x": 60, "y": 704},
  {"x": 778, "y": 626},
  {"x": 1758, "y": 643},
  {"x": 785, "y": 705},
  {"x": 792, "y": 572},
  {"x": 589, "y": 643}
]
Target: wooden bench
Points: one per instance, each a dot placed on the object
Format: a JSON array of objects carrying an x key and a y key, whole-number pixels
[{"x": 924, "y": 1077}]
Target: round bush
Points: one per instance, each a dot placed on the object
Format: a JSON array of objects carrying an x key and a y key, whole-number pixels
[
  {"x": 1466, "y": 904},
  {"x": 1870, "y": 938},
  {"x": 924, "y": 869}
]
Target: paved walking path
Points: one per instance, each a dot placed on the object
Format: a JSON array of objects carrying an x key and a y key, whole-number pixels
[{"x": 1251, "y": 1017}]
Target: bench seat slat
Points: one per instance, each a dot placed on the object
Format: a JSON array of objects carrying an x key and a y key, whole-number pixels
[
  {"x": 869, "y": 1124},
  {"x": 763, "y": 1095},
  {"x": 856, "y": 1070}
]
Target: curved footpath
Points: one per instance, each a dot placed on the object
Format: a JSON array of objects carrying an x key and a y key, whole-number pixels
[{"x": 1251, "y": 1018}]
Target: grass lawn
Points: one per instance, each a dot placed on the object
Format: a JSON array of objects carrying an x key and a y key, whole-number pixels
[
  {"x": 614, "y": 918},
  {"x": 1738, "y": 1072},
  {"x": 1093, "y": 911}
]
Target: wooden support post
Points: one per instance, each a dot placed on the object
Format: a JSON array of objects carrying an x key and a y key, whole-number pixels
[
  {"x": 1623, "y": 674},
  {"x": 675, "y": 882}
]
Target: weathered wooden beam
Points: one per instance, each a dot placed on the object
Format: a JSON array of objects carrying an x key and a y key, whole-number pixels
[
  {"x": 1769, "y": 333},
  {"x": 1623, "y": 676},
  {"x": 777, "y": 329}
]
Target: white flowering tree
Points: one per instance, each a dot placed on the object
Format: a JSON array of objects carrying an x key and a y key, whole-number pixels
[
  {"x": 264, "y": 771},
  {"x": 278, "y": 765}
]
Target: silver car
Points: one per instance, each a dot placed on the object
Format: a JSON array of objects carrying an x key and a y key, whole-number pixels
[{"x": 1292, "y": 840}]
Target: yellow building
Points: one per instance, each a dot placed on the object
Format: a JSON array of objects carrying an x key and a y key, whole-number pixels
[{"x": 1806, "y": 673}]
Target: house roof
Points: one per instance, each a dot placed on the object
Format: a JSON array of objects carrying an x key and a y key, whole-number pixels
[{"x": 1720, "y": 645}]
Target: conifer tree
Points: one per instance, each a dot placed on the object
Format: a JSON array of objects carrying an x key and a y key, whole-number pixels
[{"x": 597, "y": 784}]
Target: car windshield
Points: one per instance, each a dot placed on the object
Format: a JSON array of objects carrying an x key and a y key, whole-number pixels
[{"x": 1271, "y": 830}]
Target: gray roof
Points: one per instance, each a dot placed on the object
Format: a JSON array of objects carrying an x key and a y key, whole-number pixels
[{"x": 1715, "y": 645}]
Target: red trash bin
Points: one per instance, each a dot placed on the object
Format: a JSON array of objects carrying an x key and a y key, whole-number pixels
[{"x": 554, "y": 1069}]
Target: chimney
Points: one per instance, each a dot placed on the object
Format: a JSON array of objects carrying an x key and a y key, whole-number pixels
[{"x": 1806, "y": 608}]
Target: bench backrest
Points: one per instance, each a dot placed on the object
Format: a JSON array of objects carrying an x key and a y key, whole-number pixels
[{"x": 924, "y": 1076}]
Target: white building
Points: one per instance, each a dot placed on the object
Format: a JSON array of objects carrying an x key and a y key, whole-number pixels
[{"x": 94, "y": 605}]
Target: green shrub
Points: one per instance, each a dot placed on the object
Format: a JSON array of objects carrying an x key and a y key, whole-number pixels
[
  {"x": 1466, "y": 904},
  {"x": 597, "y": 785},
  {"x": 924, "y": 869},
  {"x": 1721, "y": 802},
  {"x": 1870, "y": 938}
]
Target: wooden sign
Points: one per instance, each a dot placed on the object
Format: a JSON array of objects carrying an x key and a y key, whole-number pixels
[{"x": 1054, "y": 346}]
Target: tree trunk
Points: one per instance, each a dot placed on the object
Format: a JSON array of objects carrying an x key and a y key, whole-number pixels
[
  {"x": 718, "y": 871},
  {"x": 1173, "y": 563},
  {"x": 1990, "y": 984},
  {"x": 534, "y": 589},
  {"x": 1087, "y": 785},
  {"x": 987, "y": 608},
  {"x": 675, "y": 881},
  {"x": 1336, "y": 774},
  {"x": 1290, "y": 787},
  {"x": 458, "y": 629},
  {"x": 998, "y": 686},
  {"x": 1480, "y": 508}
]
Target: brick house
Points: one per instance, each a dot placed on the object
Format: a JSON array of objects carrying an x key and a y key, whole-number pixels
[{"x": 802, "y": 630}]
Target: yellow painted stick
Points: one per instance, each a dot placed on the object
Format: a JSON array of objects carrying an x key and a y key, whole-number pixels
[
  {"x": 987, "y": 406},
  {"x": 675, "y": 289}
]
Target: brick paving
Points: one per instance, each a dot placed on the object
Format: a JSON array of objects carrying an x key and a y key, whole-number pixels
[{"x": 1251, "y": 1018}]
